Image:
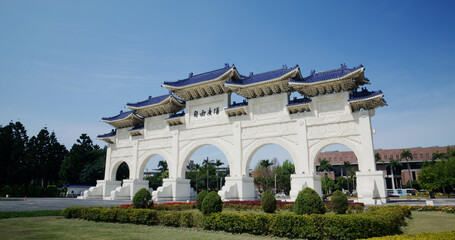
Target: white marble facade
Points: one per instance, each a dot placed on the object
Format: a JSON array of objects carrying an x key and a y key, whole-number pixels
[{"x": 328, "y": 120}]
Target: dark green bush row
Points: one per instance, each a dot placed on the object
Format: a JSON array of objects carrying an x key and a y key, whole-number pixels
[
  {"x": 427, "y": 235},
  {"x": 177, "y": 207},
  {"x": 40, "y": 213},
  {"x": 137, "y": 216},
  {"x": 379, "y": 222}
]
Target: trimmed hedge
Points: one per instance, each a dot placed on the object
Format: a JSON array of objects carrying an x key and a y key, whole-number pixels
[
  {"x": 376, "y": 222},
  {"x": 39, "y": 213},
  {"x": 136, "y": 216},
  {"x": 380, "y": 222},
  {"x": 426, "y": 235}
]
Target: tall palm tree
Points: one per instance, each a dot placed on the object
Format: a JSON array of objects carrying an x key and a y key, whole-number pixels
[
  {"x": 218, "y": 163},
  {"x": 437, "y": 155},
  {"x": 377, "y": 158},
  {"x": 197, "y": 167},
  {"x": 162, "y": 166},
  {"x": 406, "y": 154},
  {"x": 347, "y": 165},
  {"x": 393, "y": 164},
  {"x": 324, "y": 166},
  {"x": 207, "y": 163},
  {"x": 265, "y": 163}
]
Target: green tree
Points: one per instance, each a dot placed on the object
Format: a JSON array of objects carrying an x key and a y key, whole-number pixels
[
  {"x": 265, "y": 163},
  {"x": 325, "y": 167},
  {"x": 439, "y": 176},
  {"x": 45, "y": 155},
  {"x": 437, "y": 155},
  {"x": 406, "y": 154},
  {"x": 393, "y": 164},
  {"x": 207, "y": 165},
  {"x": 82, "y": 153},
  {"x": 13, "y": 155},
  {"x": 287, "y": 169}
]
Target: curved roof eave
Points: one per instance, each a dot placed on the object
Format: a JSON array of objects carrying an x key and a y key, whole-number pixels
[
  {"x": 202, "y": 82},
  {"x": 357, "y": 71}
]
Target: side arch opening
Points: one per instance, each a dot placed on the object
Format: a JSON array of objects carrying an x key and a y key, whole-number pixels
[{"x": 337, "y": 165}]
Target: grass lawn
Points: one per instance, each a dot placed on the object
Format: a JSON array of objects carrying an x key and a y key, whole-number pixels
[
  {"x": 61, "y": 228},
  {"x": 430, "y": 222},
  {"x": 52, "y": 227}
]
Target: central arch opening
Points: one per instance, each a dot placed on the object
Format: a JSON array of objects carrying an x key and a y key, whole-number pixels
[
  {"x": 271, "y": 167},
  {"x": 207, "y": 167},
  {"x": 337, "y": 165},
  {"x": 155, "y": 170}
]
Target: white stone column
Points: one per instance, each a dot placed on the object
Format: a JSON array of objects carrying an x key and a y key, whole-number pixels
[
  {"x": 108, "y": 170},
  {"x": 239, "y": 186},
  {"x": 371, "y": 185},
  {"x": 301, "y": 181}
]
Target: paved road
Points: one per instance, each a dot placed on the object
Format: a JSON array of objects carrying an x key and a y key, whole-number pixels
[{"x": 32, "y": 204}]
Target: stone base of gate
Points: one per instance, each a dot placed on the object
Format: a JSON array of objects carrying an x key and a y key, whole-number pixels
[
  {"x": 175, "y": 189},
  {"x": 301, "y": 181},
  {"x": 238, "y": 188},
  {"x": 371, "y": 188},
  {"x": 102, "y": 190}
]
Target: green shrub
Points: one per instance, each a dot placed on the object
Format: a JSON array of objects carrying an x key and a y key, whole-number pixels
[
  {"x": 142, "y": 199},
  {"x": 73, "y": 212},
  {"x": 268, "y": 202},
  {"x": 200, "y": 197},
  {"x": 6, "y": 190},
  {"x": 39, "y": 213},
  {"x": 339, "y": 202},
  {"x": 176, "y": 207},
  {"x": 51, "y": 190},
  {"x": 380, "y": 223},
  {"x": 212, "y": 203},
  {"x": 355, "y": 208},
  {"x": 309, "y": 202}
]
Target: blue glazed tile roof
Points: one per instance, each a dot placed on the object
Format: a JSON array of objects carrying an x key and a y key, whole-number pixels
[
  {"x": 111, "y": 134},
  {"x": 152, "y": 101},
  {"x": 138, "y": 127},
  {"x": 326, "y": 75},
  {"x": 236, "y": 104},
  {"x": 297, "y": 101},
  {"x": 192, "y": 79},
  {"x": 176, "y": 115},
  {"x": 363, "y": 94},
  {"x": 120, "y": 116},
  {"x": 255, "y": 78}
]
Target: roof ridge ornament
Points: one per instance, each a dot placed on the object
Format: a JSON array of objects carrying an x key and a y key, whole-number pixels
[
  {"x": 190, "y": 75},
  {"x": 343, "y": 66},
  {"x": 150, "y": 97},
  {"x": 251, "y": 74},
  {"x": 312, "y": 72},
  {"x": 121, "y": 111},
  {"x": 226, "y": 65},
  {"x": 285, "y": 66}
]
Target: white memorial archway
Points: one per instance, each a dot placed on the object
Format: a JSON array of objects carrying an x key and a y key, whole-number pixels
[{"x": 331, "y": 111}]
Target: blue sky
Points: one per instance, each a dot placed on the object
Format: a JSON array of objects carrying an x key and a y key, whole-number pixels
[{"x": 65, "y": 65}]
